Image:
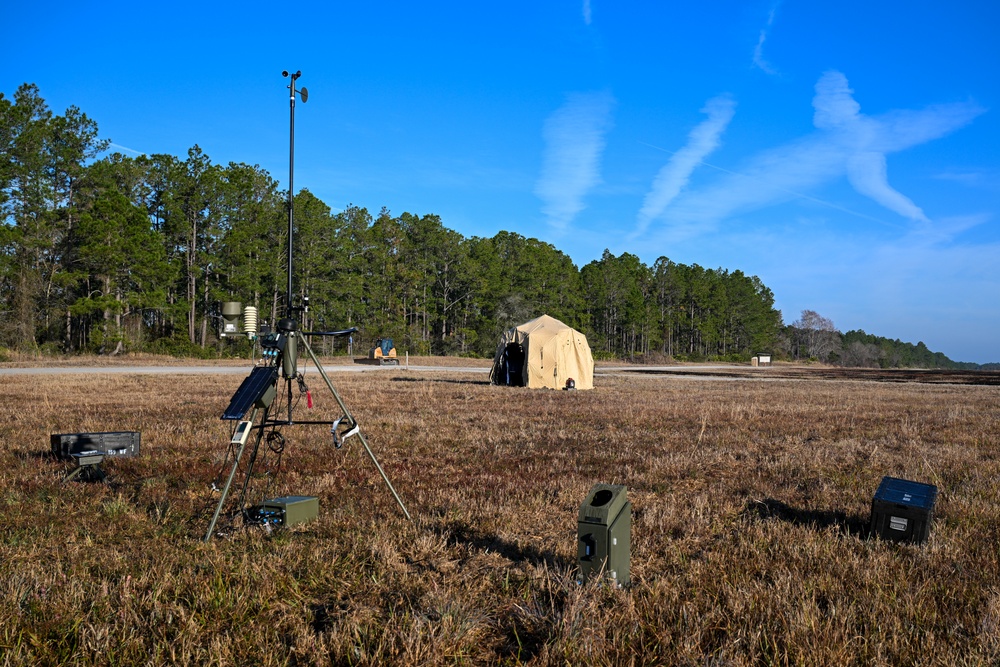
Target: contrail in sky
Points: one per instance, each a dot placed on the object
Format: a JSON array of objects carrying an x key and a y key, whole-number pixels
[
  {"x": 125, "y": 148},
  {"x": 672, "y": 178},
  {"x": 574, "y": 142}
]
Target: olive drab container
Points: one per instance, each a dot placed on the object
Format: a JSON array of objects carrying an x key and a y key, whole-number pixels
[{"x": 604, "y": 534}]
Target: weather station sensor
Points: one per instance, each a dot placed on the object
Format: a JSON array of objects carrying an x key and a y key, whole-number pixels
[
  {"x": 231, "y": 318},
  {"x": 265, "y": 402},
  {"x": 231, "y": 326},
  {"x": 89, "y": 450},
  {"x": 124, "y": 444},
  {"x": 272, "y": 342}
]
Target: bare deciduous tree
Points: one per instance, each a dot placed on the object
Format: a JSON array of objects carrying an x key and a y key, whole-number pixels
[{"x": 817, "y": 335}]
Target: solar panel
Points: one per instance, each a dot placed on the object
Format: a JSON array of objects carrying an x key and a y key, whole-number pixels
[{"x": 252, "y": 390}]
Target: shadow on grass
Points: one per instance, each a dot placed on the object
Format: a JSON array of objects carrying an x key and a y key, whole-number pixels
[
  {"x": 65, "y": 467},
  {"x": 524, "y": 634},
  {"x": 443, "y": 381},
  {"x": 36, "y": 455},
  {"x": 460, "y": 533},
  {"x": 769, "y": 508}
]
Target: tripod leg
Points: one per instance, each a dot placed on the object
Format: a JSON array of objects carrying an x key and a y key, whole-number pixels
[
  {"x": 229, "y": 481},
  {"x": 386, "y": 478},
  {"x": 361, "y": 436}
]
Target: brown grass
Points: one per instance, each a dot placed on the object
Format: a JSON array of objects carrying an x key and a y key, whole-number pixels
[{"x": 750, "y": 506}]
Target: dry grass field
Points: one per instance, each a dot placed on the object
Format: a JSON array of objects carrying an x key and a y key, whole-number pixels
[{"x": 750, "y": 497}]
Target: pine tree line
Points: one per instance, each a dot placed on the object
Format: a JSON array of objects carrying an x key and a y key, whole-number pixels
[{"x": 137, "y": 254}]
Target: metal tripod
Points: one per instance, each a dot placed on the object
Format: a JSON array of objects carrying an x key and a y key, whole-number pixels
[
  {"x": 280, "y": 351},
  {"x": 256, "y": 395}
]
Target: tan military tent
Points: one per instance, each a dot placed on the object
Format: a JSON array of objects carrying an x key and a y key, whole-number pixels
[{"x": 543, "y": 353}]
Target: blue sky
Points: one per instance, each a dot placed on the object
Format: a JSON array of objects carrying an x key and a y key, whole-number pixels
[{"x": 845, "y": 152}]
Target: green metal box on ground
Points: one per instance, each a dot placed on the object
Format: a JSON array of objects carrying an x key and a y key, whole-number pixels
[
  {"x": 604, "y": 532},
  {"x": 293, "y": 509}
]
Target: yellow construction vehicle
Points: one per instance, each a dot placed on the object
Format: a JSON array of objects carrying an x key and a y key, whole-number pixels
[{"x": 384, "y": 353}]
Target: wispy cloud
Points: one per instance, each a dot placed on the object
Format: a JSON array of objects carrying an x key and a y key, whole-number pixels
[
  {"x": 866, "y": 170},
  {"x": 674, "y": 176},
  {"x": 846, "y": 143},
  {"x": 758, "y": 53},
  {"x": 972, "y": 178},
  {"x": 574, "y": 143},
  {"x": 838, "y": 112},
  {"x": 947, "y": 229},
  {"x": 586, "y": 12}
]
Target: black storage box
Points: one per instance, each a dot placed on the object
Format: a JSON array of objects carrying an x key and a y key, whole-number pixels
[
  {"x": 902, "y": 510},
  {"x": 114, "y": 444}
]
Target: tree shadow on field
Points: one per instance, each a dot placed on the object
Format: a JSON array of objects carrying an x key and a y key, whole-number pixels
[
  {"x": 769, "y": 508},
  {"x": 442, "y": 381}
]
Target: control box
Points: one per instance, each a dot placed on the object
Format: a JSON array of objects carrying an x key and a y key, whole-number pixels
[{"x": 285, "y": 511}]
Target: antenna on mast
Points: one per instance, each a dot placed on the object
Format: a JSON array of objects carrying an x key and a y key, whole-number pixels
[{"x": 304, "y": 94}]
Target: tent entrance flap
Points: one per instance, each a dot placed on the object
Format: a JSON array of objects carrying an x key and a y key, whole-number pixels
[{"x": 513, "y": 365}]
